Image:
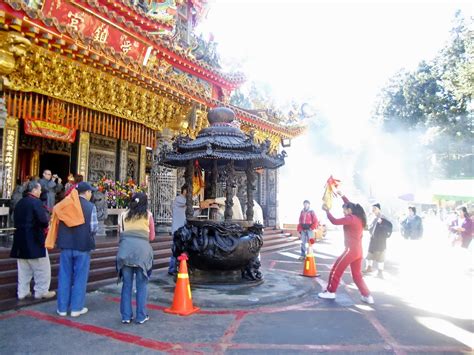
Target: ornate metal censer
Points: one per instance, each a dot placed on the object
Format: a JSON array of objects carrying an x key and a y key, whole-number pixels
[{"x": 230, "y": 247}]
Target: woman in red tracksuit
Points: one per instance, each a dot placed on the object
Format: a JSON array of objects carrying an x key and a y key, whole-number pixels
[{"x": 354, "y": 222}]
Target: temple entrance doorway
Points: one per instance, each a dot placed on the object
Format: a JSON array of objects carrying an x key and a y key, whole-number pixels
[
  {"x": 38, "y": 153},
  {"x": 57, "y": 163}
]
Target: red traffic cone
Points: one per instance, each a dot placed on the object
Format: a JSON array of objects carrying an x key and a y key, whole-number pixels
[
  {"x": 182, "y": 301},
  {"x": 309, "y": 269}
]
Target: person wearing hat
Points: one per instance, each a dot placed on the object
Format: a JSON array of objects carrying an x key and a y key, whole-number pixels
[
  {"x": 76, "y": 244},
  {"x": 380, "y": 229},
  {"x": 308, "y": 222}
]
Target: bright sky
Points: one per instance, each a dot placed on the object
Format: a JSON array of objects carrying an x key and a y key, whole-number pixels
[{"x": 334, "y": 54}]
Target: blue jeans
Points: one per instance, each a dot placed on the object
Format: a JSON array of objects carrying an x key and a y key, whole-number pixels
[
  {"x": 141, "y": 282},
  {"x": 172, "y": 268},
  {"x": 306, "y": 235},
  {"x": 72, "y": 280}
]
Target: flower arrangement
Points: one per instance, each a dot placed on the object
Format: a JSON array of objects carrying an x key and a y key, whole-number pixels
[{"x": 118, "y": 194}]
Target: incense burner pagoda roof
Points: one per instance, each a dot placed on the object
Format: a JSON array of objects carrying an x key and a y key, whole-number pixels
[{"x": 223, "y": 141}]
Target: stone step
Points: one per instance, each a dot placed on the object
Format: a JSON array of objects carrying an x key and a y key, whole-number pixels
[{"x": 103, "y": 270}]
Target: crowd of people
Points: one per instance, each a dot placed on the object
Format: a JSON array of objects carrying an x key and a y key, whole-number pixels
[
  {"x": 70, "y": 224},
  {"x": 380, "y": 229}
]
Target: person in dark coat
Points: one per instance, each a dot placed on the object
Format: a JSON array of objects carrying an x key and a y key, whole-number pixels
[
  {"x": 412, "y": 226},
  {"x": 380, "y": 229},
  {"x": 28, "y": 245}
]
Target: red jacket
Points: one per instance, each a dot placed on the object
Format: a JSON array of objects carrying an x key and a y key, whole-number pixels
[
  {"x": 353, "y": 230},
  {"x": 309, "y": 218}
]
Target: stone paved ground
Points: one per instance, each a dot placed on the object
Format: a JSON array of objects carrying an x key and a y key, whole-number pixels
[{"x": 412, "y": 315}]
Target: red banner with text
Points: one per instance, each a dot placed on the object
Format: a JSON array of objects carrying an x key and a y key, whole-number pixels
[{"x": 50, "y": 130}]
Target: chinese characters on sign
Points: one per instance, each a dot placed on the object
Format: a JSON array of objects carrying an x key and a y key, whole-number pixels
[
  {"x": 73, "y": 16},
  {"x": 83, "y": 160},
  {"x": 126, "y": 45},
  {"x": 76, "y": 21},
  {"x": 101, "y": 34},
  {"x": 9, "y": 156}
]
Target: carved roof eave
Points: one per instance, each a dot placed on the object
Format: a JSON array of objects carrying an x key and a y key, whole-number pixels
[
  {"x": 258, "y": 159},
  {"x": 144, "y": 16},
  {"x": 218, "y": 143},
  {"x": 230, "y": 80}
]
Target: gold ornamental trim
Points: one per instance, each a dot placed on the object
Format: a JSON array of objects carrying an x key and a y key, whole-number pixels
[{"x": 51, "y": 74}]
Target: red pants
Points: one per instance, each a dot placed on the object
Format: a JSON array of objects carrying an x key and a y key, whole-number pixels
[{"x": 354, "y": 259}]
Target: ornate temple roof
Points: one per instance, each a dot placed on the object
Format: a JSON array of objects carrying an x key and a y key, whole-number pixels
[
  {"x": 61, "y": 42},
  {"x": 223, "y": 141},
  {"x": 135, "y": 22}
]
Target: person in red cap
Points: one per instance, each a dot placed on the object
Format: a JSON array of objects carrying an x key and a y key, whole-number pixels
[{"x": 354, "y": 222}]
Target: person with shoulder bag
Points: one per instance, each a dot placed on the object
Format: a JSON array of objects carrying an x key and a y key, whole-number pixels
[
  {"x": 135, "y": 257},
  {"x": 307, "y": 223}
]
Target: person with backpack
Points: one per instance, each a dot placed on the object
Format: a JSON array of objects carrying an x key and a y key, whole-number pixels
[
  {"x": 380, "y": 229},
  {"x": 308, "y": 222}
]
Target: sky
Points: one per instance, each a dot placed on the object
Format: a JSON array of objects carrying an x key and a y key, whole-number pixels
[{"x": 335, "y": 55}]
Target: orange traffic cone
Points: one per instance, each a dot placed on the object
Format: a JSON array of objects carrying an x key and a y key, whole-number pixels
[
  {"x": 182, "y": 301},
  {"x": 309, "y": 269}
]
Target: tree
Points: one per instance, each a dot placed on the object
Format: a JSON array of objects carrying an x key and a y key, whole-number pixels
[{"x": 436, "y": 100}]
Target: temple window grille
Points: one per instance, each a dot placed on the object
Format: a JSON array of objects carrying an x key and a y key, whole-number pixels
[{"x": 162, "y": 193}]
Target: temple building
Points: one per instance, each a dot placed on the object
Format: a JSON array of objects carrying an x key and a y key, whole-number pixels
[{"x": 99, "y": 87}]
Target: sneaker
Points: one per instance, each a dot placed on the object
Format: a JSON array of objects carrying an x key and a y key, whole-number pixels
[
  {"x": 61, "y": 314},
  {"x": 49, "y": 294},
  {"x": 301, "y": 257},
  {"x": 380, "y": 275},
  {"x": 127, "y": 321},
  {"x": 367, "y": 271},
  {"x": 21, "y": 298},
  {"x": 327, "y": 295},
  {"x": 79, "y": 313},
  {"x": 369, "y": 299},
  {"x": 147, "y": 318}
]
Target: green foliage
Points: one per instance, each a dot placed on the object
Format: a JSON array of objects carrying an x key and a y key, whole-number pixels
[{"x": 436, "y": 100}]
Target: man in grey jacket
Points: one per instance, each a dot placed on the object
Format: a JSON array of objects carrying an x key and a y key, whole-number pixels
[
  {"x": 50, "y": 185},
  {"x": 179, "y": 220}
]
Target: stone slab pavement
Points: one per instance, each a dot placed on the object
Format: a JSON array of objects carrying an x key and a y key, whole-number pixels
[{"x": 399, "y": 323}]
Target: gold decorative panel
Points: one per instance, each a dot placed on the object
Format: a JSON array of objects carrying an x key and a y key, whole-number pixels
[
  {"x": 10, "y": 156},
  {"x": 83, "y": 158}
]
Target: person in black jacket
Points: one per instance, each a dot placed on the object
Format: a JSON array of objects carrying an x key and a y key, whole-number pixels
[
  {"x": 380, "y": 229},
  {"x": 28, "y": 244},
  {"x": 412, "y": 226}
]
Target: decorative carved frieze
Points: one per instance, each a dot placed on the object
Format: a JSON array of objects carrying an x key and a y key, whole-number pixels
[
  {"x": 103, "y": 143},
  {"x": 51, "y": 74}
]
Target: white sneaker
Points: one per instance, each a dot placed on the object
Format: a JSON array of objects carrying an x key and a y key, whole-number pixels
[
  {"x": 369, "y": 299},
  {"x": 327, "y": 295},
  {"x": 79, "y": 313},
  {"x": 62, "y": 314},
  {"x": 46, "y": 295}
]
